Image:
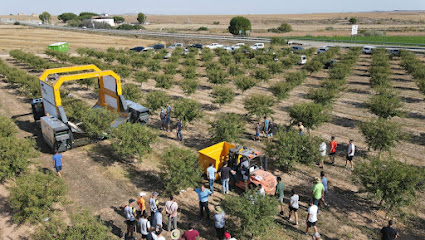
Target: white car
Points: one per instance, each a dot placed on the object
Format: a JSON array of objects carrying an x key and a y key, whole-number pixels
[
  {"x": 175, "y": 45},
  {"x": 237, "y": 46},
  {"x": 257, "y": 46},
  {"x": 227, "y": 48},
  {"x": 303, "y": 60},
  {"x": 322, "y": 49},
  {"x": 214, "y": 46},
  {"x": 368, "y": 49}
]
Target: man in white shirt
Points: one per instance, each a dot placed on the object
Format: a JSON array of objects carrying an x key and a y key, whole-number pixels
[
  {"x": 145, "y": 225},
  {"x": 322, "y": 149},
  {"x": 171, "y": 209},
  {"x": 350, "y": 154},
  {"x": 311, "y": 217}
]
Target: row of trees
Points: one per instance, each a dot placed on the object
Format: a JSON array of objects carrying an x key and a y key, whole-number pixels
[
  {"x": 33, "y": 61},
  {"x": 414, "y": 67},
  {"x": 26, "y": 84}
]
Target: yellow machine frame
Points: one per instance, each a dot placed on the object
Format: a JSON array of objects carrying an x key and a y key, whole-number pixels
[{"x": 96, "y": 72}]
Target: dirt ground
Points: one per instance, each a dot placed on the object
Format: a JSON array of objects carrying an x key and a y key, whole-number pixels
[{"x": 100, "y": 183}]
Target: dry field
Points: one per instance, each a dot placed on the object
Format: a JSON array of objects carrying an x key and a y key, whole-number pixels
[
  {"x": 98, "y": 182},
  {"x": 36, "y": 40}
]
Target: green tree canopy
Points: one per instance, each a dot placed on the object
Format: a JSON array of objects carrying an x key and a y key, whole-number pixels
[
  {"x": 393, "y": 183},
  {"x": 254, "y": 213},
  {"x": 239, "y": 24},
  {"x": 310, "y": 114},
  {"x": 154, "y": 100},
  {"x": 45, "y": 17},
  {"x": 65, "y": 17},
  {"x": 381, "y": 134},
  {"x": 119, "y": 19},
  {"x": 87, "y": 15},
  {"x": 259, "y": 105},
  {"x": 227, "y": 127},
  {"x": 180, "y": 170},
  {"x": 141, "y": 18},
  {"x": 385, "y": 104},
  {"x": 222, "y": 95},
  {"x": 187, "y": 110}
]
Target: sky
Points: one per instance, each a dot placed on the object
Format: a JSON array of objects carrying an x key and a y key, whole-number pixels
[{"x": 202, "y": 7}]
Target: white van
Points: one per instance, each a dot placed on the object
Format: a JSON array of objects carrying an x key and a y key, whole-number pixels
[
  {"x": 368, "y": 49},
  {"x": 257, "y": 46},
  {"x": 303, "y": 60}
]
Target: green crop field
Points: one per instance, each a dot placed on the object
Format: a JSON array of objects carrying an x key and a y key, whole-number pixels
[{"x": 378, "y": 39}]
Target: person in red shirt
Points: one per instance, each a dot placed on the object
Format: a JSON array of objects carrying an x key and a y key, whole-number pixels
[
  {"x": 332, "y": 150},
  {"x": 190, "y": 234}
]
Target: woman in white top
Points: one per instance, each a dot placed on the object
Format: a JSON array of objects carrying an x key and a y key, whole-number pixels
[
  {"x": 293, "y": 206},
  {"x": 322, "y": 149}
]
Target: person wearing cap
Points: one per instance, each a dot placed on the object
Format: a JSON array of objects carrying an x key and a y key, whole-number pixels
[
  {"x": 153, "y": 203},
  {"x": 219, "y": 219},
  {"x": 175, "y": 234},
  {"x": 203, "y": 195},
  {"x": 228, "y": 237},
  {"x": 318, "y": 191},
  {"x": 190, "y": 234},
  {"x": 145, "y": 225},
  {"x": 171, "y": 209},
  {"x": 141, "y": 204},
  {"x": 131, "y": 218},
  {"x": 157, "y": 219}
]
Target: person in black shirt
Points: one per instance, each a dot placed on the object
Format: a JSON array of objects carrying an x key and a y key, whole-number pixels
[
  {"x": 224, "y": 174},
  {"x": 388, "y": 233}
]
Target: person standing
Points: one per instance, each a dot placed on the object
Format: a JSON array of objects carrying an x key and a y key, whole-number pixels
[
  {"x": 325, "y": 187},
  {"x": 179, "y": 126},
  {"x": 293, "y": 206},
  {"x": 257, "y": 132},
  {"x": 153, "y": 204},
  {"x": 168, "y": 122},
  {"x": 388, "y": 232},
  {"x": 280, "y": 193},
  {"x": 203, "y": 195},
  {"x": 224, "y": 173},
  {"x": 265, "y": 126},
  {"x": 168, "y": 109},
  {"x": 211, "y": 176},
  {"x": 190, "y": 234},
  {"x": 130, "y": 215},
  {"x": 350, "y": 154},
  {"x": 322, "y": 149},
  {"x": 317, "y": 192},
  {"x": 145, "y": 225},
  {"x": 270, "y": 131},
  {"x": 157, "y": 219},
  {"x": 171, "y": 208},
  {"x": 301, "y": 128},
  {"x": 162, "y": 117},
  {"x": 141, "y": 204},
  {"x": 332, "y": 150},
  {"x": 219, "y": 219},
  {"x": 311, "y": 217},
  {"x": 57, "y": 161}
]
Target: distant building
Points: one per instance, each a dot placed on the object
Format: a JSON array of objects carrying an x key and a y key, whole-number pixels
[
  {"x": 103, "y": 18},
  {"x": 20, "y": 14}
]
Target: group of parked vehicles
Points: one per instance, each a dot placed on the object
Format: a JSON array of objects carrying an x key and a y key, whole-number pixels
[{"x": 198, "y": 46}]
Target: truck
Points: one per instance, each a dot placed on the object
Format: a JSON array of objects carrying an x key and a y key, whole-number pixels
[{"x": 57, "y": 130}]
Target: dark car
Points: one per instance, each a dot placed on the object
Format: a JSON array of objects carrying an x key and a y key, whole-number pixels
[
  {"x": 158, "y": 46},
  {"x": 196, "y": 45},
  {"x": 137, "y": 49},
  {"x": 395, "y": 52},
  {"x": 330, "y": 64},
  {"x": 297, "y": 48}
]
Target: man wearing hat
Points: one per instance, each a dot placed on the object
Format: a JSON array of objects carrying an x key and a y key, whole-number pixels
[
  {"x": 131, "y": 218},
  {"x": 141, "y": 204},
  {"x": 175, "y": 234},
  {"x": 219, "y": 219},
  {"x": 318, "y": 191}
]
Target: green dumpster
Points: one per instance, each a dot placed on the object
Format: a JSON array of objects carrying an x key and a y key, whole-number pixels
[{"x": 59, "y": 46}]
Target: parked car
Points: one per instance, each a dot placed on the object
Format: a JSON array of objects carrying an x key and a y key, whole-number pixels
[
  {"x": 175, "y": 45},
  {"x": 303, "y": 60},
  {"x": 227, "y": 48},
  {"x": 237, "y": 46},
  {"x": 196, "y": 45},
  {"x": 395, "y": 52},
  {"x": 167, "y": 56},
  {"x": 330, "y": 64},
  {"x": 297, "y": 48},
  {"x": 155, "y": 47},
  {"x": 137, "y": 49},
  {"x": 322, "y": 50},
  {"x": 257, "y": 46},
  {"x": 368, "y": 49},
  {"x": 214, "y": 46}
]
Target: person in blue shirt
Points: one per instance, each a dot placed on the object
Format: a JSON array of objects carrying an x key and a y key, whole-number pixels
[
  {"x": 57, "y": 160},
  {"x": 266, "y": 126},
  {"x": 179, "y": 126},
  {"x": 211, "y": 171},
  {"x": 203, "y": 195},
  {"x": 325, "y": 185}
]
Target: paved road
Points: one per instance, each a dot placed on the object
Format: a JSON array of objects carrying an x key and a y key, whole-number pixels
[{"x": 215, "y": 37}]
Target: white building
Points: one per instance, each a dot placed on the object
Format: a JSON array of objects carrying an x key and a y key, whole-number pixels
[{"x": 103, "y": 18}]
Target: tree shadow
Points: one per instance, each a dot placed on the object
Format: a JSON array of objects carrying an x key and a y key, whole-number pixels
[
  {"x": 406, "y": 88},
  {"x": 400, "y": 80},
  {"x": 359, "y": 83},
  {"x": 358, "y": 91},
  {"x": 197, "y": 141},
  {"x": 411, "y": 100},
  {"x": 344, "y": 122},
  {"x": 417, "y": 139},
  {"x": 355, "y": 104},
  {"x": 415, "y": 115},
  {"x": 33, "y": 128}
]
